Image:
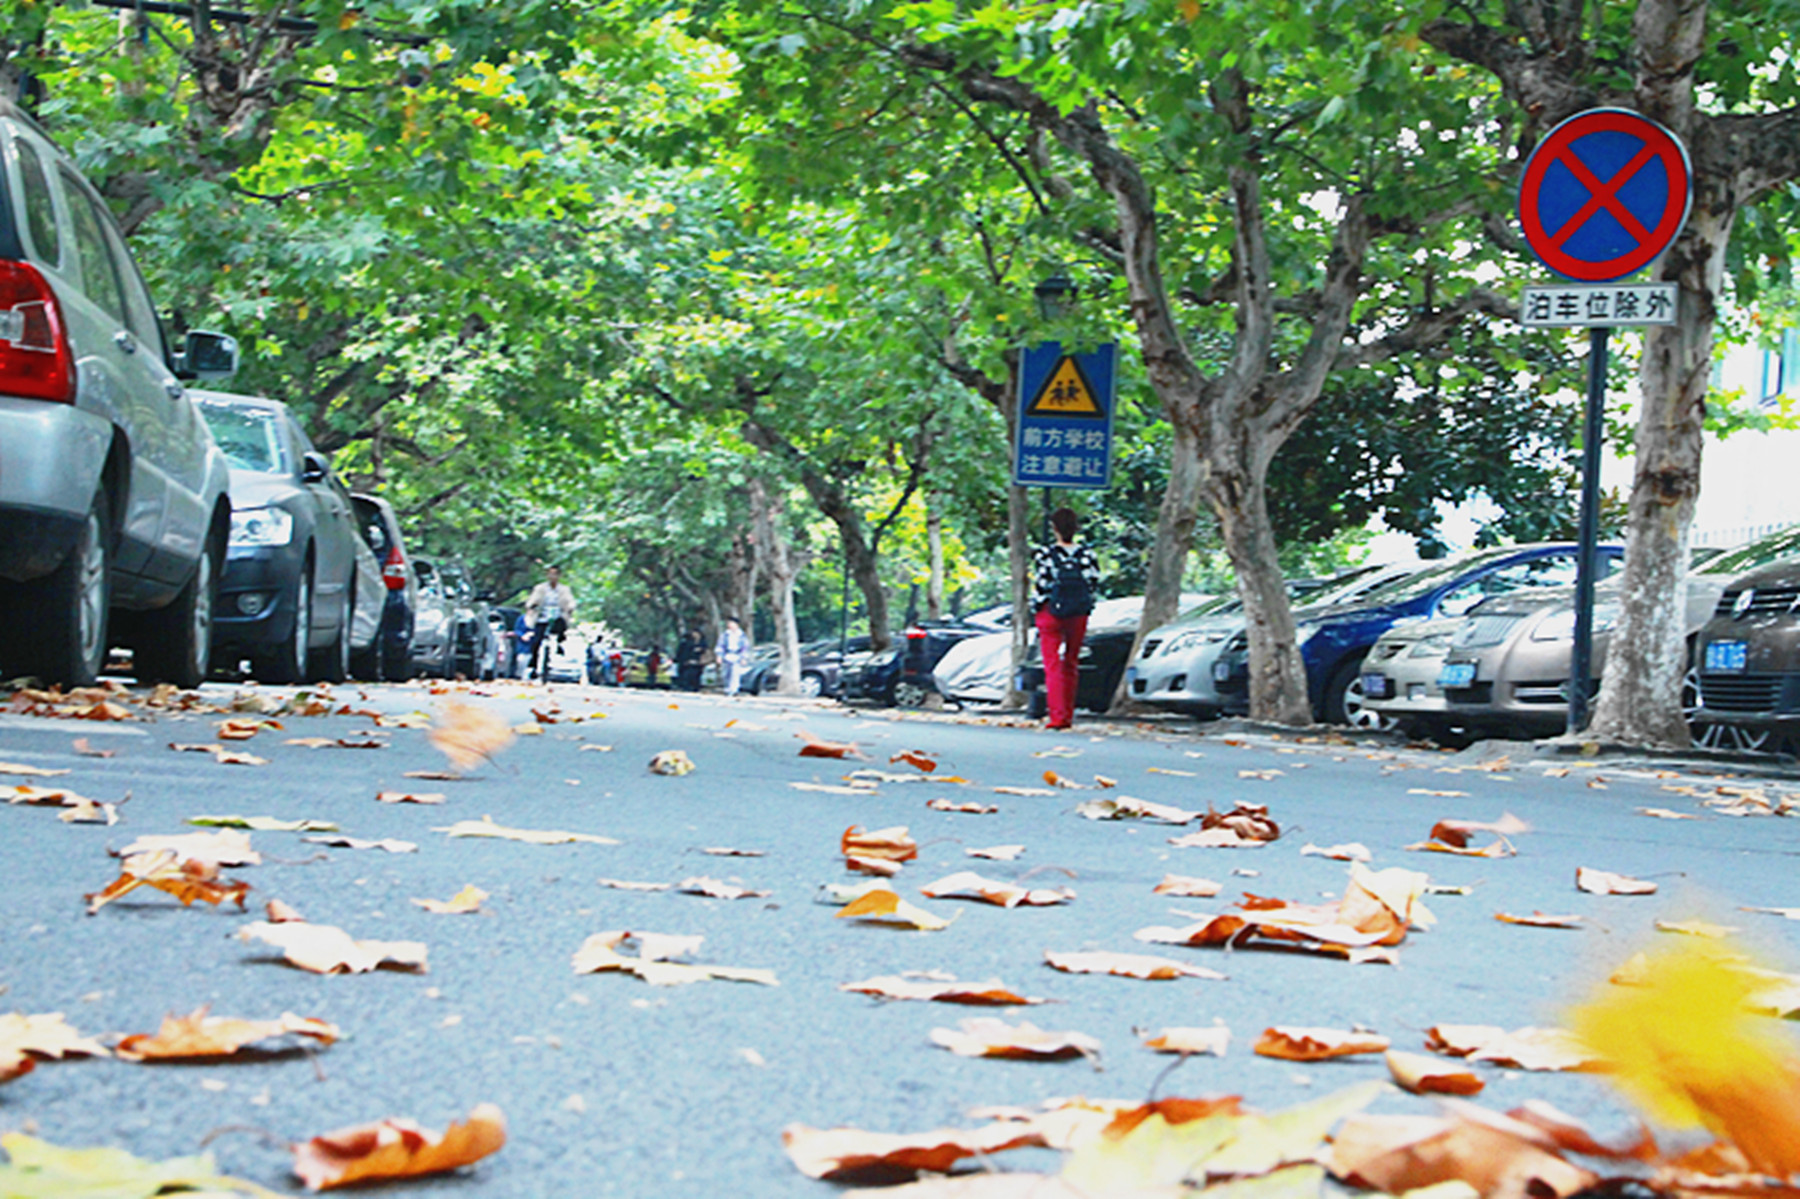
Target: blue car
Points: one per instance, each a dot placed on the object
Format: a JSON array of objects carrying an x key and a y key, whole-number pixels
[{"x": 1333, "y": 642}]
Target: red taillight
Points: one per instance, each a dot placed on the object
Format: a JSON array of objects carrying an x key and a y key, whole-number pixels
[
  {"x": 34, "y": 350},
  {"x": 393, "y": 570},
  {"x": 916, "y": 634}
]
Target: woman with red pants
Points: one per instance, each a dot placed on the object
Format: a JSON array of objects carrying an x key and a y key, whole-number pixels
[{"x": 1065, "y": 578}]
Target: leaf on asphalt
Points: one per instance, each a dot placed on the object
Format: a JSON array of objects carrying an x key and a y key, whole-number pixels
[
  {"x": 182, "y": 747},
  {"x": 600, "y": 954},
  {"x": 714, "y": 888},
  {"x": 972, "y": 808},
  {"x": 363, "y": 743},
  {"x": 891, "y": 845},
  {"x": 1438, "y": 794},
  {"x": 1125, "y": 965},
  {"x": 966, "y": 884},
  {"x": 1460, "y": 1040},
  {"x": 623, "y": 885},
  {"x": 596, "y": 749},
  {"x": 438, "y": 776},
  {"x": 1250, "y": 821},
  {"x": 1696, "y": 928},
  {"x": 1499, "y": 848},
  {"x": 1571, "y": 1136},
  {"x": 1539, "y": 920},
  {"x": 1666, "y": 814},
  {"x": 462, "y": 903},
  {"x": 1377, "y": 909},
  {"x": 76, "y": 809},
  {"x": 871, "y": 778},
  {"x": 326, "y": 949},
  {"x": 485, "y": 827},
  {"x": 725, "y": 851},
  {"x": 1068, "y": 784},
  {"x": 420, "y": 797},
  {"x": 1267, "y": 776},
  {"x": 311, "y": 742},
  {"x": 931, "y": 988},
  {"x": 239, "y": 728},
  {"x": 915, "y": 758},
  {"x": 886, "y": 907},
  {"x": 227, "y": 848},
  {"x": 1470, "y": 1147},
  {"x": 1424, "y": 1075},
  {"x": 1058, "y": 751},
  {"x": 1124, "y": 807},
  {"x": 165, "y": 871},
  {"x": 397, "y": 1148},
  {"x": 40, "y": 1170},
  {"x": 672, "y": 762},
  {"x": 228, "y": 757},
  {"x": 1604, "y": 882},
  {"x": 1548, "y": 1049},
  {"x": 817, "y": 747},
  {"x": 985, "y": 1036},
  {"x": 1456, "y": 832},
  {"x": 29, "y": 772},
  {"x": 1027, "y": 792},
  {"x": 466, "y": 734},
  {"x": 995, "y": 853},
  {"x": 1213, "y": 1040},
  {"x": 278, "y": 912},
  {"x": 264, "y": 824},
  {"x": 1180, "y": 774},
  {"x": 829, "y": 788},
  {"x": 851, "y": 1155},
  {"x": 840, "y": 894},
  {"x": 198, "y": 1035},
  {"x": 1316, "y": 1044},
  {"x": 86, "y": 750},
  {"x": 1217, "y": 838},
  {"x": 1352, "y": 851},
  {"x": 24, "y": 1039},
  {"x": 390, "y": 844},
  {"x": 1186, "y": 885},
  {"x": 1786, "y": 913}
]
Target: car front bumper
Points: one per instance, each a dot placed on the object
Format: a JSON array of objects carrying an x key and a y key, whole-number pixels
[{"x": 257, "y": 591}]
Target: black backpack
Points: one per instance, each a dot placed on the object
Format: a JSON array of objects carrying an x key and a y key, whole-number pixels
[{"x": 1070, "y": 594}]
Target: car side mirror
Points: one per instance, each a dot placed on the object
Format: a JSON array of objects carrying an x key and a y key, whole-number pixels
[
  {"x": 314, "y": 468},
  {"x": 205, "y": 355}
]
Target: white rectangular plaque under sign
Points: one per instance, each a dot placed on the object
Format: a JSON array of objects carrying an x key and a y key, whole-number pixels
[{"x": 1585, "y": 306}]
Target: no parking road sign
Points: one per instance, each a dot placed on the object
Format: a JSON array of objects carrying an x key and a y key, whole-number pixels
[{"x": 1603, "y": 194}]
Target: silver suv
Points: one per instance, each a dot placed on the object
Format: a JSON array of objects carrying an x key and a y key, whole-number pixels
[{"x": 114, "y": 509}]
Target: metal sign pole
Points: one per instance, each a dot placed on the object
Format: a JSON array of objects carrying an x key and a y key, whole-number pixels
[{"x": 1581, "y": 655}]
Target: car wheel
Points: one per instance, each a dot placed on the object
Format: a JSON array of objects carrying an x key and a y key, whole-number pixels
[
  {"x": 1345, "y": 702},
  {"x": 812, "y": 684},
  {"x": 58, "y": 622},
  {"x": 286, "y": 663},
  {"x": 174, "y": 645},
  {"x": 908, "y": 694},
  {"x": 1708, "y": 735}
]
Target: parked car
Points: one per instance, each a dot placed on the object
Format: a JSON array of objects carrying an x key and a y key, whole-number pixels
[
  {"x": 434, "y": 624},
  {"x": 1335, "y": 641},
  {"x": 475, "y": 651},
  {"x": 901, "y": 674},
  {"x": 1519, "y": 645},
  {"x": 300, "y": 585},
  {"x": 391, "y": 655},
  {"x": 510, "y": 647},
  {"x": 1173, "y": 670},
  {"x": 1401, "y": 675},
  {"x": 821, "y": 668},
  {"x": 1112, "y": 628},
  {"x": 114, "y": 504},
  {"x": 1748, "y": 659}
]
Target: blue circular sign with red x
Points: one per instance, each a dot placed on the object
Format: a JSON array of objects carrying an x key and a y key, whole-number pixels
[{"x": 1603, "y": 194}]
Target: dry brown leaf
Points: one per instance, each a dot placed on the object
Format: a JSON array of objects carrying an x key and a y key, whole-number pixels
[
  {"x": 1124, "y": 807},
  {"x": 390, "y": 844},
  {"x": 238, "y": 728},
  {"x": 885, "y": 844},
  {"x": 1571, "y": 1136},
  {"x": 972, "y": 808},
  {"x": 886, "y": 907},
  {"x": 438, "y": 776},
  {"x": 600, "y": 954},
  {"x": 992, "y": 993},
  {"x": 1187, "y": 886},
  {"x": 326, "y": 949},
  {"x": 984, "y": 1036},
  {"x": 30, "y": 772},
  {"x": 1546, "y": 1049},
  {"x": 1424, "y": 1075},
  {"x": 397, "y": 1149},
  {"x": 1666, "y": 814},
  {"x": 462, "y": 903},
  {"x": 199, "y": 1035},
  {"x": 485, "y": 827},
  {"x": 1377, "y": 909},
  {"x": 817, "y": 747},
  {"x": 1604, "y": 882},
  {"x": 228, "y": 847},
  {"x": 1067, "y": 784},
  {"x": 1212, "y": 1040},
  {"x": 1539, "y": 920},
  {"x": 420, "y": 797},
  {"x": 913, "y": 757},
  {"x": 622, "y": 885},
  {"x": 996, "y": 853},
  {"x": 1104, "y": 783},
  {"x": 1216, "y": 838},
  {"x": 829, "y": 788},
  {"x": 467, "y": 735},
  {"x": 1696, "y": 928},
  {"x": 1316, "y": 1044},
  {"x": 282, "y": 913},
  {"x": 713, "y": 888},
  {"x": 1494, "y": 1155},
  {"x": 311, "y": 742},
  {"x": 876, "y": 1158},
  {"x": 1460, "y": 1040},
  {"x": 77, "y": 809},
  {"x": 672, "y": 762},
  {"x": 1456, "y": 832},
  {"x": 1125, "y": 965},
  {"x": 1026, "y": 792},
  {"x": 966, "y": 884},
  {"x": 1267, "y": 776},
  {"x": 226, "y": 757},
  {"x": 1501, "y": 848},
  {"x": 25, "y": 1038},
  {"x": 1250, "y": 821},
  {"x": 1353, "y": 851},
  {"x": 1180, "y": 774},
  {"x": 1437, "y": 794},
  {"x": 164, "y": 871},
  {"x": 86, "y": 750}
]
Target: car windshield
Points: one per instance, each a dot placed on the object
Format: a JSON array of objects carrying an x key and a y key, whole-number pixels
[
  {"x": 250, "y": 437},
  {"x": 1757, "y": 554},
  {"x": 1431, "y": 578}
]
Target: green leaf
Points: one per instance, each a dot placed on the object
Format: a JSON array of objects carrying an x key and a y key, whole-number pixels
[{"x": 40, "y": 1170}]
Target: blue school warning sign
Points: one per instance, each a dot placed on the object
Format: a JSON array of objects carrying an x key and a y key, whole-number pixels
[{"x": 1065, "y": 417}]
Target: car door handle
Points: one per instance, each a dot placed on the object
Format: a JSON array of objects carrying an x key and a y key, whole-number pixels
[
  {"x": 125, "y": 341},
  {"x": 174, "y": 388}
]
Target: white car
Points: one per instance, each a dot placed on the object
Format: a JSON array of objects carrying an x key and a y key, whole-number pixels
[{"x": 978, "y": 670}]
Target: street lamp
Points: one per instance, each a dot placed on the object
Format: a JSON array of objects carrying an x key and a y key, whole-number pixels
[{"x": 1055, "y": 296}]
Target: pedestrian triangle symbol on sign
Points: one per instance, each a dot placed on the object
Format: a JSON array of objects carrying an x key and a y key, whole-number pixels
[{"x": 1065, "y": 393}]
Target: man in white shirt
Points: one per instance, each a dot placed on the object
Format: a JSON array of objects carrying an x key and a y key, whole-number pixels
[{"x": 548, "y": 611}]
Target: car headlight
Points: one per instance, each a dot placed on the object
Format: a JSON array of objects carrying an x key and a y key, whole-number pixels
[
  {"x": 262, "y": 526},
  {"x": 1193, "y": 639},
  {"x": 1432, "y": 645}
]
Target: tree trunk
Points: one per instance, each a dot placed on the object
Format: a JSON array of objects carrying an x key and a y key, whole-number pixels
[
  {"x": 779, "y": 570},
  {"x": 740, "y": 595},
  {"x": 934, "y": 540},
  {"x": 1278, "y": 689}
]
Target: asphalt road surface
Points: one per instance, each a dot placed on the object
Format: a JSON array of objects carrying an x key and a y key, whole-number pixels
[{"x": 614, "y": 1087}]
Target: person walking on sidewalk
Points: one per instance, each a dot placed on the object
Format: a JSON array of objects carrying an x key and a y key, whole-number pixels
[
  {"x": 548, "y": 610},
  {"x": 688, "y": 664},
  {"x": 733, "y": 652},
  {"x": 1065, "y": 578}
]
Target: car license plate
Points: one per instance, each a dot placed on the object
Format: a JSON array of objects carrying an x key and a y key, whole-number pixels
[
  {"x": 1456, "y": 674},
  {"x": 1377, "y": 686},
  {"x": 1727, "y": 656},
  {"x": 1221, "y": 672}
]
